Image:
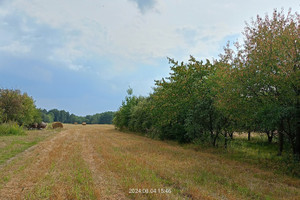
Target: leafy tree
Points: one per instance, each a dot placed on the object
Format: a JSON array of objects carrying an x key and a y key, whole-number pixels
[
  {"x": 106, "y": 118},
  {"x": 254, "y": 87},
  {"x": 141, "y": 118},
  {"x": 73, "y": 118},
  {"x": 184, "y": 103},
  {"x": 260, "y": 81},
  {"x": 56, "y": 115},
  {"x": 11, "y": 104},
  {"x": 18, "y": 107},
  {"x": 123, "y": 115}
]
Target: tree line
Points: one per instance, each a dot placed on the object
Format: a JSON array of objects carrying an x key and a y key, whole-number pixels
[
  {"x": 253, "y": 86},
  {"x": 65, "y": 117},
  {"x": 19, "y": 108}
]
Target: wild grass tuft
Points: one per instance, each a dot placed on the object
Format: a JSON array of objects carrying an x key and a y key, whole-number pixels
[{"x": 11, "y": 129}]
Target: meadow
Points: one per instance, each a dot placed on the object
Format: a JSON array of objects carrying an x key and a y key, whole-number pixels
[{"x": 99, "y": 162}]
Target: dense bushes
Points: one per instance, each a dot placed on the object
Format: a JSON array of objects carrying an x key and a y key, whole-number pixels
[
  {"x": 254, "y": 87},
  {"x": 11, "y": 129},
  {"x": 17, "y": 107},
  {"x": 124, "y": 116}
]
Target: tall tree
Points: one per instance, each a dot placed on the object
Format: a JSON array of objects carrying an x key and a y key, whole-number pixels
[
  {"x": 263, "y": 76},
  {"x": 18, "y": 107}
]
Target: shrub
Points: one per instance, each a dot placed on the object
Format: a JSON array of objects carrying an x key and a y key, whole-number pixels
[
  {"x": 18, "y": 107},
  {"x": 11, "y": 129}
]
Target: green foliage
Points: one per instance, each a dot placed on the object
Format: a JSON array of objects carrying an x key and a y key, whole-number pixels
[
  {"x": 65, "y": 117},
  {"x": 181, "y": 107},
  {"x": 258, "y": 84},
  {"x": 183, "y": 103},
  {"x": 11, "y": 129},
  {"x": 141, "y": 119},
  {"x": 254, "y": 87},
  {"x": 17, "y": 107},
  {"x": 123, "y": 116}
]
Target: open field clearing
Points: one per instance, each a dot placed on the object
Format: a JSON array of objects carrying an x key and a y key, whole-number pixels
[
  {"x": 98, "y": 162},
  {"x": 12, "y": 145}
]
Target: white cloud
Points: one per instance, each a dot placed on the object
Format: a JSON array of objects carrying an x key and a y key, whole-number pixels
[
  {"x": 15, "y": 48},
  {"x": 117, "y": 30},
  {"x": 99, "y": 47}
]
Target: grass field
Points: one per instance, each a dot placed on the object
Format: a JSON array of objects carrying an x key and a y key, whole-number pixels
[
  {"x": 12, "y": 145},
  {"x": 258, "y": 151},
  {"x": 98, "y": 162}
]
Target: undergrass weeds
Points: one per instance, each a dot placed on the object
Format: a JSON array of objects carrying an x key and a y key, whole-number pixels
[
  {"x": 258, "y": 151},
  {"x": 11, "y": 129},
  {"x": 194, "y": 171},
  {"x": 13, "y": 144}
]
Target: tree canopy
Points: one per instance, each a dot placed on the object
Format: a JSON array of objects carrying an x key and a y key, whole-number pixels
[
  {"x": 251, "y": 87},
  {"x": 65, "y": 117},
  {"x": 17, "y": 107}
]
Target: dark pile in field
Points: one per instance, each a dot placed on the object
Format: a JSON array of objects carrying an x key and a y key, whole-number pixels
[{"x": 57, "y": 125}]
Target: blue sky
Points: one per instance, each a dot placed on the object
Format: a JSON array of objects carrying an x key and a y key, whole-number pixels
[{"x": 81, "y": 56}]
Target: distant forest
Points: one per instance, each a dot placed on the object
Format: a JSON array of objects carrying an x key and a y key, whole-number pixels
[
  {"x": 65, "y": 117},
  {"x": 18, "y": 107}
]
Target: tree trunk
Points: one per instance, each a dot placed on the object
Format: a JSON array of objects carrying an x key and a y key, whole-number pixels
[
  {"x": 270, "y": 135},
  {"x": 231, "y": 135},
  {"x": 215, "y": 139},
  {"x": 225, "y": 144},
  {"x": 297, "y": 145},
  {"x": 280, "y": 137},
  {"x": 249, "y": 135}
]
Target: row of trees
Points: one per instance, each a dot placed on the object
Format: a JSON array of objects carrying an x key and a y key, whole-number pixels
[
  {"x": 251, "y": 87},
  {"x": 65, "y": 117},
  {"x": 17, "y": 107}
]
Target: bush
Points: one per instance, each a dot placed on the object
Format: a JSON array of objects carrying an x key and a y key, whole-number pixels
[
  {"x": 18, "y": 107},
  {"x": 11, "y": 129}
]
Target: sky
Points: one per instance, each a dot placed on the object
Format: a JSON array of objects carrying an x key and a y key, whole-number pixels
[{"x": 82, "y": 56}]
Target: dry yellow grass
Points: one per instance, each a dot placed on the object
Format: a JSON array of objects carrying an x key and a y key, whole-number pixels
[{"x": 98, "y": 162}]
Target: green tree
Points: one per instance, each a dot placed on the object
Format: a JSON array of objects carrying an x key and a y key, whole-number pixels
[
  {"x": 55, "y": 114},
  {"x": 183, "y": 104},
  {"x": 141, "y": 118},
  {"x": 106, "y": 118},
  {"x": 18, "y": 107},
  {"x": 123, "y": 115},
  {"x": 261, "y": 78}
]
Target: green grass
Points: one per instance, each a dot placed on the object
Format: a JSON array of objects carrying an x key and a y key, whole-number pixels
[
  {"x": 258, "y": 151},
  {"x": 11, "y": 129},
  {"x": 12, "y": 145},
  {"x": 70, "y": 179},
  {"x": 210, "y": 173},
  {"x": 14, "y": 148}
]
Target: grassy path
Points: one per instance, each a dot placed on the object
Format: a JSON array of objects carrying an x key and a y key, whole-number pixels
[{"x": 98, "y": 162}]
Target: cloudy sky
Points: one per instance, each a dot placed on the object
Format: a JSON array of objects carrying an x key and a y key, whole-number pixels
[{"x": 82, "y": 55}]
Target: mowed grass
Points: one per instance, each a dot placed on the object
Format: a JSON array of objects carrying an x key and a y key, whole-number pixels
[
  {"x": 99, "y": 162},
  {"x": 258, "y": 151},
  {"x": 11, "y": 145},
  {"x": 147, "y": 165},
  {"x": 69, "y": 178},
  {"x": 55, "y": 169}
]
